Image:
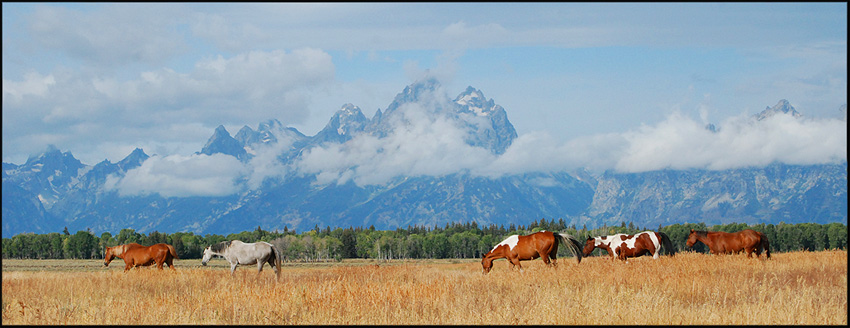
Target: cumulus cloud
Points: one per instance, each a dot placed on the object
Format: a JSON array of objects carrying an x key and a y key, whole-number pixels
[
  {"x": 681, "y": 143},
  {"x": 181, "y": 176},
  {"x": 423, "y": 141},
  {"x": 74, "y": 107},
  {"x": 33, "y": 84},
  {"x": 435, "y": 147},
  {"x": 419, "y": 145}
]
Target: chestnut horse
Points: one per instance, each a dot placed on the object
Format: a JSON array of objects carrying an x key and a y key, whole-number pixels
[
  {"x": 623, "y": 246},
  {"x": 135, "y": 255},
  {"x": 720, "y": 242},
  {"x": 539, "y": 244}
]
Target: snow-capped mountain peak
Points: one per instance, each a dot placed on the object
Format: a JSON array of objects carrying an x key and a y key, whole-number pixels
[
  {"x": 474, "y": 101},
  {"x": 782, "y": 107}
]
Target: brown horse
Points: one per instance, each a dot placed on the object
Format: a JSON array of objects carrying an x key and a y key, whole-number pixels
[
  {"x": 539, "y": 244},
  {"x": 135, "y": 255},
  {"x": 720, "y": 242},
  {"x": 623, "y": 246}
]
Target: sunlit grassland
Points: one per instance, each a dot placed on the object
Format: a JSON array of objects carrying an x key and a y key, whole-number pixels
[{"x": 689, "y": 288}]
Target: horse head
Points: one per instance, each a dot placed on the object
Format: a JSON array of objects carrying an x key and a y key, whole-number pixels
[
  {"x": 208, "y": 253},
  {"x": 112, "y": 253},
  {"x": 487, "y": 264},
  {"x": 692, "y": 238},
  {"x": 589, "y": 245},
  {"x": 108, "y": 256}
]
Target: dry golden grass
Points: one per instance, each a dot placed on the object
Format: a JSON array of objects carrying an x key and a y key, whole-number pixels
[{"x": 789, "y": 289}]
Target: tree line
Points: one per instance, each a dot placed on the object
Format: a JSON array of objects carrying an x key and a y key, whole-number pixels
[{"x": 454, "y": 240}]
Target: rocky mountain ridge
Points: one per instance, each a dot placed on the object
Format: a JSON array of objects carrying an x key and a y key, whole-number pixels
[{"x": 54, "y": 190}]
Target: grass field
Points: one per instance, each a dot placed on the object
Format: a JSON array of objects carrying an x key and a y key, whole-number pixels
[{"x": 793, "y": 288}]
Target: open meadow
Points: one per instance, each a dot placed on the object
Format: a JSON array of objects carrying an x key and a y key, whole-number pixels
[{"x": 795, "y": 288}]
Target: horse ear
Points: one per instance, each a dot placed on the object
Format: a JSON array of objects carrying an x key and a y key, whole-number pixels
[{"x": 692, "y": 230}]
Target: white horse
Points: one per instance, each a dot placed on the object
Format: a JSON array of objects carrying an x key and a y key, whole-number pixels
[{"x": 236, "y": 252}]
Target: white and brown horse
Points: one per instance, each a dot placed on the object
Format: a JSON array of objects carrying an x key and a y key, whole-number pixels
[
  {"x": 543, "y": 244},
  {"x": 623, "y": 246}
]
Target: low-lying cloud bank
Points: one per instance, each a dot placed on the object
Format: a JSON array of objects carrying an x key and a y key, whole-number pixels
[{"x": 428, "y": 145}]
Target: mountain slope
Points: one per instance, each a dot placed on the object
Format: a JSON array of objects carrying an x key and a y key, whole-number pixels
[{"x": 53, "y": 189}]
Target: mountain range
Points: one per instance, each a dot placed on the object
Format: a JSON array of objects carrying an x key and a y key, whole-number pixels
[{"x": 54, "y": 190}]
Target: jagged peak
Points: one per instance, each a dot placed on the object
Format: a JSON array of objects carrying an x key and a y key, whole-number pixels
[
  {"x": 269, "y": 125},
  {"x": 474, "y": 101},
  {"x": 469, "y": 94},
  {"x": 428, "y": 83},
  {"x": 377, "y": 115},
  {"x": 134, "y": 159},
  {"x": 781, "y": 107},
  {"x": 221, "y": 130},
  {"x": 51, "y": 152},
  {"x": 414, "y": 92},
  {"x": 349, "y": 108}
]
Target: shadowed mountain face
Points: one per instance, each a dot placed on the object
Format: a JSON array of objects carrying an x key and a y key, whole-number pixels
[{"x": 269, "y": 181}]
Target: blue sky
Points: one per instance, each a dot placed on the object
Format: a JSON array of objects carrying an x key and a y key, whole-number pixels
[{"x": 101, "y": 79}]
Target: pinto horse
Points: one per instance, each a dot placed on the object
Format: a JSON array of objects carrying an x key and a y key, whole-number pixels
[
  {"x": 623, "y": 246},
  {"x": 135, "y": 255},
  {"x": 539, "y": 244},
  {"x": 720, "y": 242}
]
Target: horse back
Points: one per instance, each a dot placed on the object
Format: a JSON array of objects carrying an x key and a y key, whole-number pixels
[
  {"x": 138, "y": 256},
  {"x": 145, "y": 255},
  {"x": 752, "y": 237},
  {"x": 537, "y": 244}
]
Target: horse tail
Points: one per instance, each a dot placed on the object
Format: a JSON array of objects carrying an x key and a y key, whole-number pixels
[
  {"x": 572, "y": 244},
  {"x": 667, "y": 244},
  {"x": 765, "y": 243},
  {"x": 172, "y": 251},
  {"x": 277, "y": 261}
]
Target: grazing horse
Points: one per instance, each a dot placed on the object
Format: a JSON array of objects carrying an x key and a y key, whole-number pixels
[
  {"x": 720, "y": 242},
  {"x": 539, "y": 244},
  {"x": 135, "y": 255},
  {"x": 236, "y": 252},
  {"x": 623, "y": 246}
]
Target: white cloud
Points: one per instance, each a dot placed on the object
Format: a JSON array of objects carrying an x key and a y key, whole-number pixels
[
  {"x": 681, "y": 143},
  {"x": 424, "y": 141},
  {"x": 250, "y": 87},
  {"x": 421, "y": 144},
  {"x": 181, "y": 176},
  {"x": 33, "y": 84}
]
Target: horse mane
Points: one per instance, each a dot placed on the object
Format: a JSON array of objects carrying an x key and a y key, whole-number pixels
[
  {"x": 701, "y": 233},
  {"x": 220, "y": 247}
]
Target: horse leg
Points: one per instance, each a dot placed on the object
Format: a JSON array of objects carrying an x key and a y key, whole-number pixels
[
  {"x": 515, "y": 262},
  {"x": 260, "y": 267},
  {"x": 233, "y": 268},
  {"x": 271, "y": 264}
]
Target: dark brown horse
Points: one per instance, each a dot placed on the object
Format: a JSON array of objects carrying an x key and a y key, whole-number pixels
[
  {"x": 135, "y": 255},
  {"x": 539, "y": 244},
  {"x": 623, "y": 246},
  {"x": 720, "y": 242}
]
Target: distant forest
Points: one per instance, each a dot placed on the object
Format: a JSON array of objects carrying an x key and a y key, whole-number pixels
[{"x": 456, "y": 240}]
